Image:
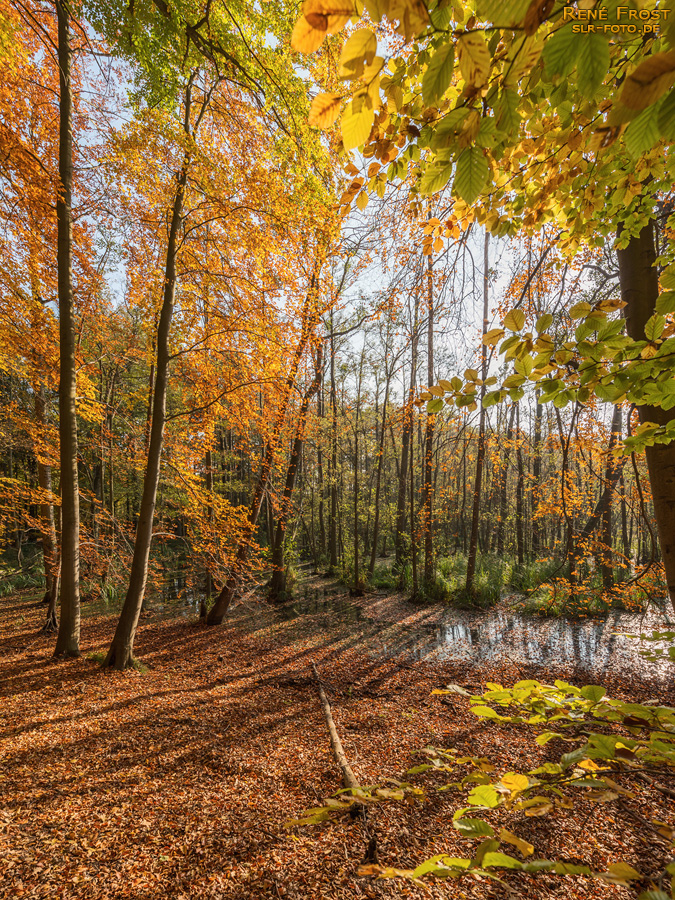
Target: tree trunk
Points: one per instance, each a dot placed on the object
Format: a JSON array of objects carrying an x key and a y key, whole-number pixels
[
  {"x": 49, "y": 552},
  {"x": 520, "y": 491},
  {"x": 333, "y": 520},
  {"x": 120, "y": 655},
  {"x": 480, "y": 455},
  {"x": 639, "y": 285},
  {"x": 378, "y": 476},
  {"x": 537, "y": 541},
  {"x": 277, "y": 588},
  {"x": 357, "y": 587},
  {"x": 427, "y": 491},
  {"x": 406, "y": 449},
  {"x": 504, "y": 477},
  {"x": 68, "y": 639}
]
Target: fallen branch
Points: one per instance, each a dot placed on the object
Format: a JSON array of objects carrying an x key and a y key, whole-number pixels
[
  {"x": 357, "y": 809},
  {"x": 348, "y": 777}
]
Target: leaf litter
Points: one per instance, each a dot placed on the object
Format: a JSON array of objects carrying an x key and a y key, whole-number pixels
[{"x": 177, "y": 782}]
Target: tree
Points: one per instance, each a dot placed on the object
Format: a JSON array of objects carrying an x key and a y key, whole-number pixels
[{"x": 483, "y": 96}]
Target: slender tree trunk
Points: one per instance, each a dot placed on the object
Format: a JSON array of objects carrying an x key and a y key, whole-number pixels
[
  {"x": 413, "y": 541},
  {"x": 333, "y": 521},
  {"x": 120, "y": 654},
  {"x": 277, "y": 588},
  {"x": 427, "y": 491},
  {"x": 503, "y": 493},
  {"x": 537, "y": 540},
  {"x": 319, "y": 462},
  {"x": 520, "y": 491},
  {"x": 357, "y": 587},
  {"x": 68, "y": 639},
  {"x": 480, "y": 455},
  {"x": 378, "y": 476},
  {"x": 406, "y": 449},
  {"x": 638, "y": 279},
  {"x": 49, "y": 552}
]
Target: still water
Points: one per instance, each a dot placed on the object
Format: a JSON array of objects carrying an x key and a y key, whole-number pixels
[{"x": 593, "y": 645}]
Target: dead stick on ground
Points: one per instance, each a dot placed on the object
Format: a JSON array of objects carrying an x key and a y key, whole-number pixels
[
  {"x": 348, "y": 777},
  {"x": 357, "y": 809}
]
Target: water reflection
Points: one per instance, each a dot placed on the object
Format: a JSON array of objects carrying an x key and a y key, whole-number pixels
[{"x": 592, "y": 645}]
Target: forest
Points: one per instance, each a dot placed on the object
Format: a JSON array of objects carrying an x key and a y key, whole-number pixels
[{"x": 337, "y": 448}]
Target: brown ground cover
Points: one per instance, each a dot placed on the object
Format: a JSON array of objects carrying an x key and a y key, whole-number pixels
[{"x": 177, "y": 782}]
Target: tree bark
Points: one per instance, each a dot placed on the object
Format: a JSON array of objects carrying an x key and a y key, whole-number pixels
[
  {"x": 427, "y": 490},
  {"x": 49, "y": 551},
  {"x": 638, "y": 279},
  {"x": 68, "y": 639},
  {"x": 277, "y": 588},
  {"x": 378, "y": 476},
  {"x": 480, "y": 455},
  {"x": 120, "y": 654}
]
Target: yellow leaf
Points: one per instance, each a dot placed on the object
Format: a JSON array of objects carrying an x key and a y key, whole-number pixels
[
  {"x": 474, "y": 59},
  {"x": 515, "y": 782},
  {"x": 324, "y": 110},
  {"x": 357, "y": 53},
  {"x": 649, "y": 81},
  {"x": 493, "y": 337},
  {"x": 620, "y": 873},
  {"x": 540, "y": 810},
  {"x": 362, "y": 200},
  {"x": 307, "y": 37},
  {"x": 357, "y": 121},
  {"x": 514, "y": 320},
  {"x": 336, "y": 12},
  {"x": 412, "y": 16},
  {"x": 525, "y": 848}
]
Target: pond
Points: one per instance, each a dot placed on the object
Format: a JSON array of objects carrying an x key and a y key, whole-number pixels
[{"x": 446, "y": 634}]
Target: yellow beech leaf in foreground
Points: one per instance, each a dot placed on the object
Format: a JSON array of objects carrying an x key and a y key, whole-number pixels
[
  {"x": 306, "y": 37},
  {"x": 357, "y": 53},
  {"x": 474, "y": 58},
  {"x": 649, "y": 81},
  {"x": 324, "y": 110},
  {"x": 357, "y": 121},
  {"x": 319, "y": 18}
]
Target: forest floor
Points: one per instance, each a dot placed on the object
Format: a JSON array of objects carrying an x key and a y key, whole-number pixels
[{"x": 177, "y": 782}]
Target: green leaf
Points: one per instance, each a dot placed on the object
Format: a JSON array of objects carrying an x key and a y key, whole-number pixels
[
  {"x": 506, "y": 111},
  {"x": 643, "y": 132},
  {"x": 560, "y": 52},
  {"x": 503, "y": 13},
  {"x": 438, "y": 74},
  {"x": 666, "y": 117},
  {"x": 593, "y": 692},
  {"x": 436, "y": 176},
  {"x": 473, "y": 828},
  {"x": 592, "y": 63},
  {"x": 543, "y": 322},
  {"x": 484, "y": 795},
  {"x": 654, "y": 327},
  {"x": 501, "y": 860},
  {"x": 579, "y": 310},
  {"x": 471, "y": 175},
  {"x": 485, "y": 712},
  {"x": 665, "y": 302},
  {"x": 435, "y": 405},
  {"x": 572, "y": 758}
]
